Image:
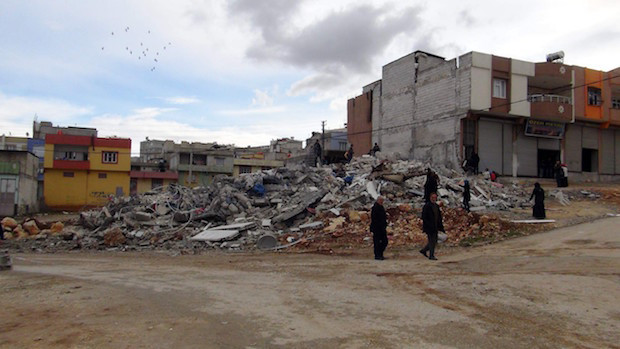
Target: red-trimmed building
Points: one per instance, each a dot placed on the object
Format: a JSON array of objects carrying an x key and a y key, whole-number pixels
[
  {"x": 143, "y": 181},
  {"x": 85, "y": 170}
]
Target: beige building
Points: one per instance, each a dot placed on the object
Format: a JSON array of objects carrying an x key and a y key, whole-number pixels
[{"x": 18, "y": 182}]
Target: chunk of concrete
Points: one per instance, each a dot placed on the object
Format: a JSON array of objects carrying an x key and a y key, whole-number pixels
[
  {"x": 312, "y": 225},
  {"x": 215, "y": 235}
]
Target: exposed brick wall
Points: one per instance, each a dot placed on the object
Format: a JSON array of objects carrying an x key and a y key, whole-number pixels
[
  {"x": 421, "y": 108},
  {"x": 359, "y": 123}
]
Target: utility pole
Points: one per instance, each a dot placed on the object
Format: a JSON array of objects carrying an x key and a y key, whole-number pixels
[{"x": 322, "y": 139}]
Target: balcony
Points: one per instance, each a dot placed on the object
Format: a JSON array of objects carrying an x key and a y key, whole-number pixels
[
  {"x": 550, "y": 107},
  {"x": 550, "y": 75},
  {"x": 71, "y": 164}
]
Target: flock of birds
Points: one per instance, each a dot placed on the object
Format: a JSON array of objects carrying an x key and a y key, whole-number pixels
[{"x": 142, "y": 52}]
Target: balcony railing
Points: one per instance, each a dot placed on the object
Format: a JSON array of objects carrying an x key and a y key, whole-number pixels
[{"x": 537, "y": 98}]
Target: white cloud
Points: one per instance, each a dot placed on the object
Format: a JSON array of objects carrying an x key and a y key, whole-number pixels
[
  {"x": 254, "y": 111},
  {"x": 262, "y": 99},
  {"x": 18, "y": 112},
  {"x": 182, "y": 100}
]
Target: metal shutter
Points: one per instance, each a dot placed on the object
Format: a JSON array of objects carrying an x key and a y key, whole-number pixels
[
  {"x": 490, "y": 145},
  {"x": 548, "y": 144},
  {"x": 572, "y": 148},
  {"x": 527, "y": 155},
  {"x": 607, "y": 152},
  {"x": 507, "y": 149},
  {"x": 590, "y": 138}
]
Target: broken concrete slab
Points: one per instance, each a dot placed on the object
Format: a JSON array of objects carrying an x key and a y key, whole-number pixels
[
  {"x": 237, "y": 226},
  {"x": 214, "y": 235},
  {"x": 312, "y": 225}
]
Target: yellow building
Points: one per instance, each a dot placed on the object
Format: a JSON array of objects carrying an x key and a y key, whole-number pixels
[
  {"x": 241, "y": 166},
  {"x": 85, "y": 171},
  {"x": 143, "y": 181}
]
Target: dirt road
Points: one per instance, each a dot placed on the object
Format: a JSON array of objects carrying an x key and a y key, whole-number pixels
[{"x": 556, "y": 289}]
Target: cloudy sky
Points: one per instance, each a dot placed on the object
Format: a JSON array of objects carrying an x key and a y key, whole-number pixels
[{"x": 248, "y": 71}]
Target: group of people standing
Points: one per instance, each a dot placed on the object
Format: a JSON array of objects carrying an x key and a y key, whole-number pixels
[
  {"x": 317, "y": 152},
  {"x": 432, "y": 222}
]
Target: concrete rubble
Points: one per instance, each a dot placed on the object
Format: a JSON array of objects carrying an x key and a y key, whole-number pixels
[{"x": 290, "y": 205}]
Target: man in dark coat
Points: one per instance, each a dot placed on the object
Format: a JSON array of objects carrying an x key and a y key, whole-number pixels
[
  {"x": 375, "y": 149},
  {"x": 431, "y": 184},
  {"x": 473, "y": 161},
  {"x": 378, "y": 225},
  {"x": 432, "y": 224},
  {"x": 538, "y": 211},
  {"x": 466, "y": 195},
  {"x": 318, "y": 152}
]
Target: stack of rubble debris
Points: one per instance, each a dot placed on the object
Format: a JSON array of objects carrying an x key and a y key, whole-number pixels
[{"x": 277, "y": 208}]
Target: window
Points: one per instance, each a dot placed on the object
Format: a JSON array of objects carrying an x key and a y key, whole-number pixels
[
  {"x": 615, "y": 102},
  {"x": 103, "y": 175},
  {"x": 245, "y": 169},
  {"x": 342, "y": 146},
  {"x": 70, "y": 155},
  {"x": 10, "y": 147},
  {"x": 469, "y": 137},
  {"x": 110, "y": 157},
  {"x": 499, "y": 88},
  {"x": 68, "y": 174},
  {"x": 594, "y": 96},
  {"x": 219, "y": 161},
  {"x": 157, "y": 183}
]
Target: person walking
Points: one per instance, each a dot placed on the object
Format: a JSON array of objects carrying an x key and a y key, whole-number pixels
[
  {"x": 466, "y": 195},
  {"x": 432, "y": 224},
  {"x": 378, "y": 226},
  {"x": 538, "y": 211},
  {"x": 431, "y": 184}
]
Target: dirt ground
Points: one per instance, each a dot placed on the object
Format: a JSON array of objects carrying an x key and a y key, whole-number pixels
[{"x": 558, "y": 289}]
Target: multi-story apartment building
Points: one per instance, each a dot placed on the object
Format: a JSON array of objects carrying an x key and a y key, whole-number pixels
[
  {"x": 198, "y": 163},
  {"x": 85, "y": 170},
  {"x": 519, "y": 116}
]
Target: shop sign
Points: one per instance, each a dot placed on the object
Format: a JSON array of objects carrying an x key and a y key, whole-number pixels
[{"x": 547, "y": 129}]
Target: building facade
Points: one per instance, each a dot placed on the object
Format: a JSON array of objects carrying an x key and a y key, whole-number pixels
[
  {"x": 85, "y": 170},
  {"x": 18, "y": 182},
  {"x": 334, "y": 144},
  {"x": 198, "y": 163},
  {"x": 519, "y": 116}
]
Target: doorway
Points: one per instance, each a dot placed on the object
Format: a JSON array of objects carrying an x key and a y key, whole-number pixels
[
  {"x": 546, "y": 162},
  {"x": 589, "y": 160}
]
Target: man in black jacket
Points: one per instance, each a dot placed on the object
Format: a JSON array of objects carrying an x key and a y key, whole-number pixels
[
  {"x": 378, "y": 225},
  {"x": 431, "y": 224},
  {"x": 431, "y": 184}
]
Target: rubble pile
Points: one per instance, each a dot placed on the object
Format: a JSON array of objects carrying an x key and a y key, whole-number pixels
[
  {"x": 404, "y": 229},
  {"x": 298, "y": 206}
]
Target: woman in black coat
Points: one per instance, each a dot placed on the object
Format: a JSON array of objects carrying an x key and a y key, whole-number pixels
[{"x": 539, "y": 201}]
